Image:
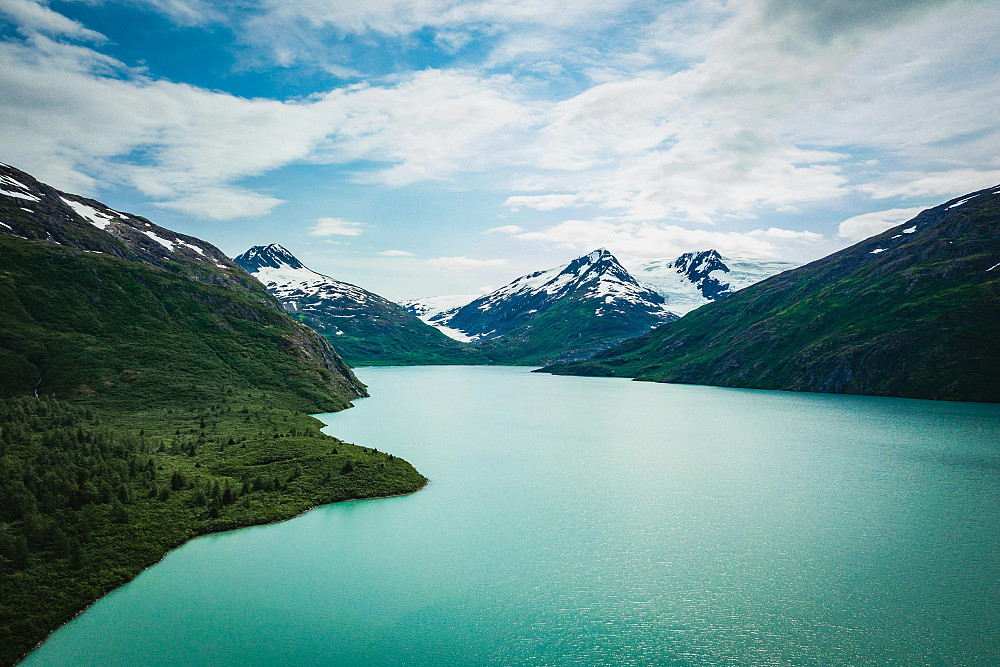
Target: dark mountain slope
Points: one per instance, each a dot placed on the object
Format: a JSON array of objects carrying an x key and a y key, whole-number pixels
[
  {"x": 365, "y": 328},
  {"x": 912, "y": 312},
  {"x": 89, "y": 293}
]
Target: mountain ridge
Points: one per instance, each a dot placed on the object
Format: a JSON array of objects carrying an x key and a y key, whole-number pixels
[
  {"x": 364, "y": 327},
  {"x": 565, "y": 312},
  {"x": 911, "y": 312}
]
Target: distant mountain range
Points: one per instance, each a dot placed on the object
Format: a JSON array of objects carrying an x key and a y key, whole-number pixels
[
  {"x": 913, "y": 312},
  {"x": 568, "y": 312},
  {"x": 365, "y": 328}
]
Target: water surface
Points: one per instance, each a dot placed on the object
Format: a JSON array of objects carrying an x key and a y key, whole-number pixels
[{"x": 601, "y": 522}]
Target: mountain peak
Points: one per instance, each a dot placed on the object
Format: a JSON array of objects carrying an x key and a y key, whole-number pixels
[{"x": 271, "y": 256}]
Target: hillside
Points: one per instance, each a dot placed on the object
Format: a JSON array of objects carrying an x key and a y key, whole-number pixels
[
  {"x": 150, "y": 391},
  {"x": 911, "y": 312},
  {"x": 568, "y": 312},
  {"x": 365, "y": 328}
]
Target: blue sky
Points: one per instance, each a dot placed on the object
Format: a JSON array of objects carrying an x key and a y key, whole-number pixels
[{"x": 425, "y": 147}]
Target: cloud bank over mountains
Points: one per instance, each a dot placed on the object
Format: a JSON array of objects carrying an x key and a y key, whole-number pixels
[{"x": 682, "y": 124}]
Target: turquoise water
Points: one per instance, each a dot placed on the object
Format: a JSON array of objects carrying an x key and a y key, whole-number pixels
[{"x": 584, "y": 521}]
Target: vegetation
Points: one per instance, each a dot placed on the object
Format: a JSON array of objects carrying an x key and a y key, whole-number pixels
[
  {"x": 89, "y": 498},
  {"x": 386, "y": 334},
  {"x": 566, "y": 329},
  {"x": 913, "y": 314},
  {"x": 170, "y": 403}
]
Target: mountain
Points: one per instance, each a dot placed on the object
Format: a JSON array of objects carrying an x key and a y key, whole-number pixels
[
  {"x": 436, "y": 310},
  {"x": 912, "y": 312},
  {"x": 103, "y": 278},
  {"x": 564, "y": 313},
  {"x": 696, "y": 278},
  {"x": 365, "y": 328},
  {"x": 150, "y": 391}
]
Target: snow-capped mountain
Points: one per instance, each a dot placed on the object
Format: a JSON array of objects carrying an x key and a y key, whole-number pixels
[
  {"x": 566, "y": 312},
  {"x": 364, "y": 327},
  {"x": 696, "y": 278},
  {"x": 302, "y": 290},
  {"x": 910, "y": 312},
  {"x": 437, "y": 310},
  {"x": 40, "y": 212},
  {"x": 160, "y": 305}
]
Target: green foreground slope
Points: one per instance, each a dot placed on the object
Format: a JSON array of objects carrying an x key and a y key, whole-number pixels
[
  {"x": 169, "y": 406},
  {"x": 913, "y": 312}
]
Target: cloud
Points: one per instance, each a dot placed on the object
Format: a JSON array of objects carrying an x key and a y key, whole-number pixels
[
  {"x": 76, "y": 118},
  {"x": 396, "y": 253},
  {"x": 29, "y": 15},
  {"x": 184, "y": 12},
  {"x": 464, "y": 263},
  {"x": 505, "y": 229},
  {"x": 337, "y": 227},
  {"x": 866, "y": 225},
  {"x": 221, "y": 203},
  {"x": 632, "y": 241},
  {"x": 943, "y": 184},
  {"x": 542, "y": 202},
  {"x": 778, "y": 233},
  {"x": 717, "y": 109}
]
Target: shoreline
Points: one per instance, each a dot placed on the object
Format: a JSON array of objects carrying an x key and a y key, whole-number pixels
[{"x": 206, "y": 534}]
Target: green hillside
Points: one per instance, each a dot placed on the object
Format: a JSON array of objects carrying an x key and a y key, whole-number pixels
[
  {"x": 912, "y": 312},
  {"x": 173, "y": 396}
]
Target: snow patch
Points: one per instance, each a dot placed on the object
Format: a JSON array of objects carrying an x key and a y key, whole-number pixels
[
  {"x": 19, "y": 195},
  {"x": 877, "y": 251},
  {"x": 97, "y": 218},
  {"x": 192, "y": 247},
  {"x": 169, "y": 245},
  {"x": 962, "y": 201},
  {"x": 7, "y": 226},
  {"x": 993, "y": 267},
  {"x": 910, "y": 230}
]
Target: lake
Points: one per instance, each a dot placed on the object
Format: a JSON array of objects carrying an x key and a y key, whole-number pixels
[{"x": 597, "y": 521}]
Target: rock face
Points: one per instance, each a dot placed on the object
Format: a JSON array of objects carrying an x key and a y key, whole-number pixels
[
  {"x": 365, "y": 328},
  {"x": 96, "y": 300},
  {"x": 696, "y": 278},
  {"x": 913, "y": 312},
  {"x": 568, "y": 312}
]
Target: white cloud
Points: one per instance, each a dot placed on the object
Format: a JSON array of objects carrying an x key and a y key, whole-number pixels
[
  {"x": 505, "y": 229},
  {"x": 222, "y": 203},
  {"x": 778, "y": 233},
  {"x": 631, "y": 241},
  {"x": 464, "y": 263},
  {"x": 75, "y": 117},
  {"x": 401, "y": 17},
  {"x": 943, "y": 184},
  {"x": 336, "y": 227},
  {"x": 863, "y": 226},
  {"x": 719, "y": 108},
  {"x": 542, "y": 202},
  {"x": 396, "y": 253},
  {"x": 31, "y": 15}
]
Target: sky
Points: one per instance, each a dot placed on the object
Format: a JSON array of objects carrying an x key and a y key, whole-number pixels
[{"x": 429, "y": 147}]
